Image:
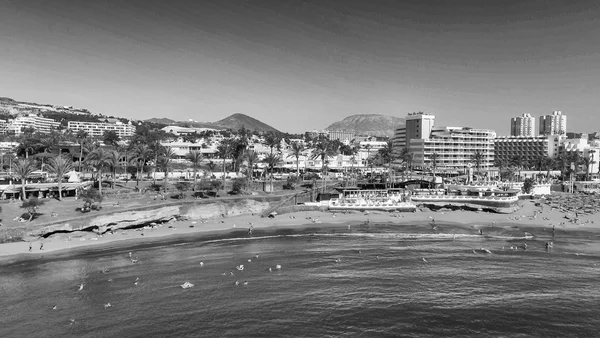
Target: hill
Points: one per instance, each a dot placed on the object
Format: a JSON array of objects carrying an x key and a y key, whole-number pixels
[
  {"x": 162, "y": 120},
  {"x": 237, "y": 121},
  {"x": 234, "y": 122},
  {"x": 369, "y": 124}
]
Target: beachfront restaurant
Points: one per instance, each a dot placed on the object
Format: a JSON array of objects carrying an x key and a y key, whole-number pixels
[{"x": 40, "y": 190}]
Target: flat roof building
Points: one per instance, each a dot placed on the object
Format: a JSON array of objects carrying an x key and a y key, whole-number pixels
[
  {"x": 39, "y": 124},
  {"x": 522, "y": 125},
  {"x": 555, "y": 124},
  {"x": 97, "y": 129}
]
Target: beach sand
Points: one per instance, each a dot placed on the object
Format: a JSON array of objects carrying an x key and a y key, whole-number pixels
[{"x": 529, "y": 216}]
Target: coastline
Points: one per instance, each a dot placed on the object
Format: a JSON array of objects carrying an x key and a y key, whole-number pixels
[{"x": 528, "y": 217}]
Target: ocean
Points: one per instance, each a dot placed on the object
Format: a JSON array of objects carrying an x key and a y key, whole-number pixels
[{"x": 370, "y": 281}]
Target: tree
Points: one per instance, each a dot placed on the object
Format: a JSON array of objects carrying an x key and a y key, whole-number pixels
[
  {"x": 113, "y": 160},
  {"x": 211, "y": 166},
  {"x": 90, "y": 196},
  {"x": 98, "y": 158},
  {"x": 478, "y": 157},
  {"x": 111, "y": 138},
  {"x": 142, "y": 153},
  {"x": 517, "y": 161},
  {"x": 407, "y": 158},
  {"x": 501, "y": 164},
  {"x": 272, "y": 161},
  {"x": 166, "y": 160},
  {"x": 182, "y": 187},
  {"x": 548, "y": 163},
  {"x": 224, "y": 150},
  {"x": 527, "y": 185},
  {"x": 60, "y": 166},
  {"x": 272, "y": 140},
  {"x": 31, "y": 204},
  {"x": 323, "y": 150},
  {"x": 81, "y": 138},
  {"x": 252, "y": 159},
  {"x": 387, "y": 155},
  {"x": 587, "y": 162},
  {"x": 296, "y": 151},
  {"x": 23, "y": 169},
  {"x": 195, "y": 157}
]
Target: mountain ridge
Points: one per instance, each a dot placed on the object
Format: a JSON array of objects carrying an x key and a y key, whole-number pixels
[{"x": 369, "y": 124}]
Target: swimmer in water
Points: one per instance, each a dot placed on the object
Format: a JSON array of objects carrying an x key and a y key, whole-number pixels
[
  {"x": 270, "y": 270},
  {"x": 80, "y": 287},
  {"x": 245, "y": 283},
  {"x": 54, "y": 307},
  {"x": 201, "y": 263},
  {"x": 237, "y": 282}
]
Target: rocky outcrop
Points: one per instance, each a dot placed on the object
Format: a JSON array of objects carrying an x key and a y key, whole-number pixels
[
  {"x": 219, "y": 209},
  {"x": 119, "y": 220}
]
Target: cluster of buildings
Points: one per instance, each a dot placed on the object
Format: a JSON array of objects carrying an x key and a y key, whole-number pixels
[
  {"x": 45, "y": 125},
  {"x": 455, "y": 149}
]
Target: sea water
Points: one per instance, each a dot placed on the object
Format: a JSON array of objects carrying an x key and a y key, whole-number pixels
[{"x": 376, "y": 281}]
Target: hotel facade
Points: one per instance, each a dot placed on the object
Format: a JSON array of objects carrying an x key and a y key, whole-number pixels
[
  {"x": 454, "y": 147},
  {"x": 97, "y": 129},
  {"x": 40, "y": 124}
]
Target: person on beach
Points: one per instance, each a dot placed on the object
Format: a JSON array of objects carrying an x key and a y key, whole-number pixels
[
  {"x": 42, "y": 246},
  {"x": 553, "y": 230},
  {"x": 481, "y": 232}
]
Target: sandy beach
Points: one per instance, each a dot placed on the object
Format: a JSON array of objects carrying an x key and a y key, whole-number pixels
[{"x": 532, "y": 214}]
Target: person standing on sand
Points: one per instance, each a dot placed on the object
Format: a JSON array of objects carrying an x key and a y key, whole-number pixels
[
  {"x": 30, "y": 246},
  {"x": 42, "y": 246}
]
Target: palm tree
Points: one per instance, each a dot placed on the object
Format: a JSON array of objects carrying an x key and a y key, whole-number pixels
[
  {"x": 272, "y": 140},
  {"x": 517, "y": 161},
  {"x": 113, "y": 159},
  {"x": 478, "y": 158},
  {"x": 501, "y": 164},
  {"x": 46, "y": 143},
  {"x": 142, "y": 154},
  {"x": 272, "y": 161},
  {"x": 60, "y": 166},
  {"x": 407, "y": 158},
  {"x": 587, "y": 162},
  {"x": 195, "y": 157},
  {"x": 387, "y": 155},
  {"x": 323, "y": 149},
  {"x": 81, "y": 137},
  {"x": 23, "y": 169},
  {"x": 296, "y": 151},
  {"x": 548, "y": 163},
  {"x": 166, "y": 159},
  {"x": 98, "y": 158},
  {"x": 252, "y": 159},
  {"x": 225, "y": 150}
]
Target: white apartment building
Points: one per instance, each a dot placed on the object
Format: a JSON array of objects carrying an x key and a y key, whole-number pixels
[
  {"x": 3, "y": 126},
  {"x": 555, "y": 124},
  {"x": 97, "y": 129},
  {"x": 181, "y": 149},
  {"x": 40, "y": 124},
  {"x": 522, "y": 125},
  {"x": 455, "y": 148},
  {"x": 529, "y": 148}
]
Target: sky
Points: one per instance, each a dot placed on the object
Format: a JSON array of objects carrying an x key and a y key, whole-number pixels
[{"x": 301, "y": 65}]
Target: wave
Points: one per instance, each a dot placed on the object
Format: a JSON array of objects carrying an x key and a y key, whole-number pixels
[{"x": 369, "y": 235}]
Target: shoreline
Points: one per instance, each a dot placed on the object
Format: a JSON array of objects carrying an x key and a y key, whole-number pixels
[{"x": 468, "y": 222}]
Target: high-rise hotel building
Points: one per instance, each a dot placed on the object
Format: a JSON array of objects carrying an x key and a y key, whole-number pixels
[
  {"x": 555, "y": 124},
  {"x": 522, "y": 125},
  {"x": 455, "y": 147}
]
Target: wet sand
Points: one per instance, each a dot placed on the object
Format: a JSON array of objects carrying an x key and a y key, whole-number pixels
[{"x": 530, "y": 218}]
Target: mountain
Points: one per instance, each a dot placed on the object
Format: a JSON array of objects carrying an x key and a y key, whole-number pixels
[
  {"x": 237, "y": 121},
  {"x": 369, "y": 124}
]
